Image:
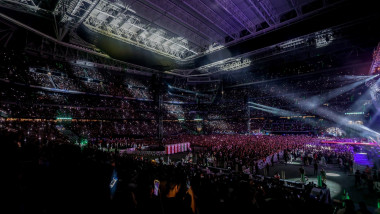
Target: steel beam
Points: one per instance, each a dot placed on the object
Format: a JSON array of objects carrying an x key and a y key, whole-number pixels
[
  {"x": 238, "y": 15},
  {"x": 186, "y": 18},
  {"x": 173, "y": 25},
  {"x": 24, "y": 6},
  {"x": 294, "y": 5},
  {"x": 206, "y": 12},
  {"x": 73, "y": 48},
  {"x": 260, "y": 10},
  {"x": 269, "y": 10}
]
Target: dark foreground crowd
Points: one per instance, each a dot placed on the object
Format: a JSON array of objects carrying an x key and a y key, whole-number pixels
[{"x": 57, "y": 177}]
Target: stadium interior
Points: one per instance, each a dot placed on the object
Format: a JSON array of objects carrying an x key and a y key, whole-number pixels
[{"x": 190, "y": 106}]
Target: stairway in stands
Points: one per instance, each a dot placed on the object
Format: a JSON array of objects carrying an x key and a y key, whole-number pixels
[
  {"x": 52, "y": 81},
  {"x": 71, "y": 136},
  {"x": 361, "y": 161}
]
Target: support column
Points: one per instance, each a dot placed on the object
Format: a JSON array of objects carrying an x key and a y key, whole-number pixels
[
  {"x": 247, "y": 115},
  {"x": 160, "y": 118},
  {"x": 157, "y": 91},
  {"x": 248, "y": 119}
]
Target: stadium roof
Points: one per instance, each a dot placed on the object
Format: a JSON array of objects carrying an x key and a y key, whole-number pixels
[
  {"x": 180, "y": 29},
  {"x": 172, "y": 34}
]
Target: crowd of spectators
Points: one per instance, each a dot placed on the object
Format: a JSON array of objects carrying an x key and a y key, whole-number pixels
[
  {"x": 247, "y": 150},
  {"x": 114, "y": 111},
  {"x": 71, "y": 76},
  {"x": 105, "y": 94},
  {"x": 53, "y": 167}
]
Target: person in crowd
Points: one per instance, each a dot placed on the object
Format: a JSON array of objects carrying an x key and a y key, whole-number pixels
[
  {"x": 340, "y": 161},
  {"x": 277, "y": 176},
  {"x": 323, "y": 174},
  {"x": 367, "y": 170},
  {"x": 323, "y": 161},
  {"x": 302, "y": 172},
  {"x": 348, "y": 209},
  {"x": 357, "y": 178},
  {"x": 370, "y": 183},
  {"x": 363, "y": 208},
  {"x": 174, "y": 203},
  {"x": 315, "y": 167},
  {"x": 286, "y": 157},
  {"x": 256, "y": 168},
  {"x": 363, "y": 178}
]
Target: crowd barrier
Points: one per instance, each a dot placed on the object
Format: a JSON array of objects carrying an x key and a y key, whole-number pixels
[
  {"x": 183, "y": 147},
  {"x": 127, "y": 151},
  {"x": 262, "y": 163},
  {"x": 143, "y": 153}
]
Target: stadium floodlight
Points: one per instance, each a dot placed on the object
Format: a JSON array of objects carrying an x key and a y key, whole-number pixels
[
  {"x": 275, "y": 111},
  {"x": 341, "y": 120},
  {"x": 317, "y": 100},
  {"x": 262, "y": 109},
  {"x": 284, "y": 113},
  {"x": 359, "y": 105},
  {"x": 328, "y": 114}
]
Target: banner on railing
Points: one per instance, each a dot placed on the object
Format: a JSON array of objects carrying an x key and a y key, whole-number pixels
[{"x": 176, "y": 148}]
